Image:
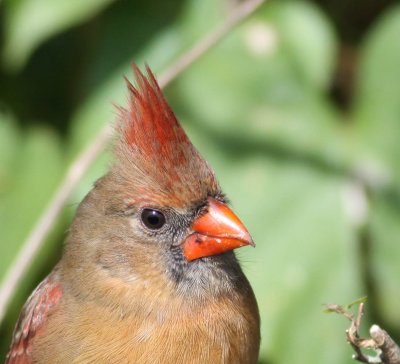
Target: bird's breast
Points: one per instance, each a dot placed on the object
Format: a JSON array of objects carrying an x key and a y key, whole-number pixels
[{"x": 218, "y": 331}]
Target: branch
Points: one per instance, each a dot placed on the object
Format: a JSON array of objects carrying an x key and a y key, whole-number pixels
[
  {"x": 83, "y": 161},
  {"x": 387, "y": 350},
  {"x": 390, "y": 350}
]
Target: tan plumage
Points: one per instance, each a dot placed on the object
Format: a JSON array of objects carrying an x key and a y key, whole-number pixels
[{"x": 126, "y": 290}]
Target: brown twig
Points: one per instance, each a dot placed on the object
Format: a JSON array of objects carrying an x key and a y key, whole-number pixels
[
  {"x": 354, "y": 338},
  {"x": 82, "y": 162},
  {"x": 388, "y": 352}
]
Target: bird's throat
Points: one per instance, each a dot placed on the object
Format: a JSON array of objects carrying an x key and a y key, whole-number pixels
[{"x": 205, "y": 276}]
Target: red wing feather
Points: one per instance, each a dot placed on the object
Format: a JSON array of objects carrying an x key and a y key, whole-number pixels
[{"x": 32, "y": 318}]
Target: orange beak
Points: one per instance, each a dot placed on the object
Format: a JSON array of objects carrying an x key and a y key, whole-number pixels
[{"x": 216, "y": 232}]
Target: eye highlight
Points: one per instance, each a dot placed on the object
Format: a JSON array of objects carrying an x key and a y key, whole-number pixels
[{"x": 153, "y": 219}]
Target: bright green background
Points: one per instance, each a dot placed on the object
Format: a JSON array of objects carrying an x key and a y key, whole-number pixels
[{"x": 311, "y": 166}]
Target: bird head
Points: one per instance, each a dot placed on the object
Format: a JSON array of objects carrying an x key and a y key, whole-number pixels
[{"x": 160, "y": 204}]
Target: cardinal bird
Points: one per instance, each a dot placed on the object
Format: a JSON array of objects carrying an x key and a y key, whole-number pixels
[{"x": 148, "y": 273}]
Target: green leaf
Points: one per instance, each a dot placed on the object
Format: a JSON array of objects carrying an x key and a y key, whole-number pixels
[
  {"x": 384, "y": 249},
  {"x": 377, "y": 116},
  {"x": 377, "y": 106},
  {"x": 308, "y": 37},
  {"x": 37, "y": 168},
  {"x": 28, "y": 23},
  {"x": 257, "y": 83},
  {"x": 9, "y": 141},
  {"x": 357, "y": 302}
]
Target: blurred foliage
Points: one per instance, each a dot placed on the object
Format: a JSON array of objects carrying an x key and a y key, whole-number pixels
[{"x": 298, "y": 110}]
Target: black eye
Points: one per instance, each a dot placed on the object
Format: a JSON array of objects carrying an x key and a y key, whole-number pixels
[{"x": 153, "y": 219}]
